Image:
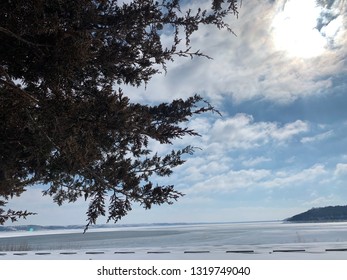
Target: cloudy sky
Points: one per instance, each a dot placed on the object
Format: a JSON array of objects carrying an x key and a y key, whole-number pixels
[{"x": 279, "y": 147}]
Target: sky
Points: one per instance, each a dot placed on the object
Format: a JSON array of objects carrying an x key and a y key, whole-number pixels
[{"x": 279, "y": 147}]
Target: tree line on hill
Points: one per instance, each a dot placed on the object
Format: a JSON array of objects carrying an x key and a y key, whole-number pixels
[{"x": 321, "y": 214}]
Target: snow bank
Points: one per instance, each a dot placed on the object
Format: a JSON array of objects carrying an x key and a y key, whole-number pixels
[{"x": 308, "y": 251}]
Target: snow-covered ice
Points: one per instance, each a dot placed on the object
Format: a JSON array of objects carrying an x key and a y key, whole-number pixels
[{"x": 245, "y": 241}]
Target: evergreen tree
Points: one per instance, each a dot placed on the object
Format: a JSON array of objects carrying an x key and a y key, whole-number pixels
[{"x": 65, "y": 121}]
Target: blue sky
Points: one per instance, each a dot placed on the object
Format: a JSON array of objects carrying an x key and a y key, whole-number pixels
[{"x": 279, "y": 147}]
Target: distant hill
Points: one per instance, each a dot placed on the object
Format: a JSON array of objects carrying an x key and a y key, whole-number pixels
[{"x": 321, "y": 214}]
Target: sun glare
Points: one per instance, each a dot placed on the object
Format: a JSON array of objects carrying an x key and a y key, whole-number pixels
[{"x": 294, "y": 29}]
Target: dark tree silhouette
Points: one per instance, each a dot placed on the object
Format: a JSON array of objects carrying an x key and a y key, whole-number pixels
[{"x": 65, "y": 121}]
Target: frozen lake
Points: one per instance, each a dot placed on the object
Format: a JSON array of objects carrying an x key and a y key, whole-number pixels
[{"x": 258, "y": 237}]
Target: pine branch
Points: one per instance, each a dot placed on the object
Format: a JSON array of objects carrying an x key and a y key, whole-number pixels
[{"x": 19, "y": 38}]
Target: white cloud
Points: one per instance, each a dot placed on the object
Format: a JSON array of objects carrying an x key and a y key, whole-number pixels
[
  {"x": 255, "y": 161},
  {"x": 241, "y": 132},
  {"x": 333, "y": 28},
  {"x": 259, "y": 178},
  {"x": 318, "y": 137},
  {"x": 287, "y": 179},
  {"x": 341, "y": 170},
  {"x": 289, "y": 130},
  {"x": 199, "y": 169},
  {"x": 231, "y": 181}
]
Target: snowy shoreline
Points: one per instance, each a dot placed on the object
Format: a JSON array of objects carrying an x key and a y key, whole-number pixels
[
  {"x": 253, "y": 241},
  {"x": 305, "y": 251}
]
